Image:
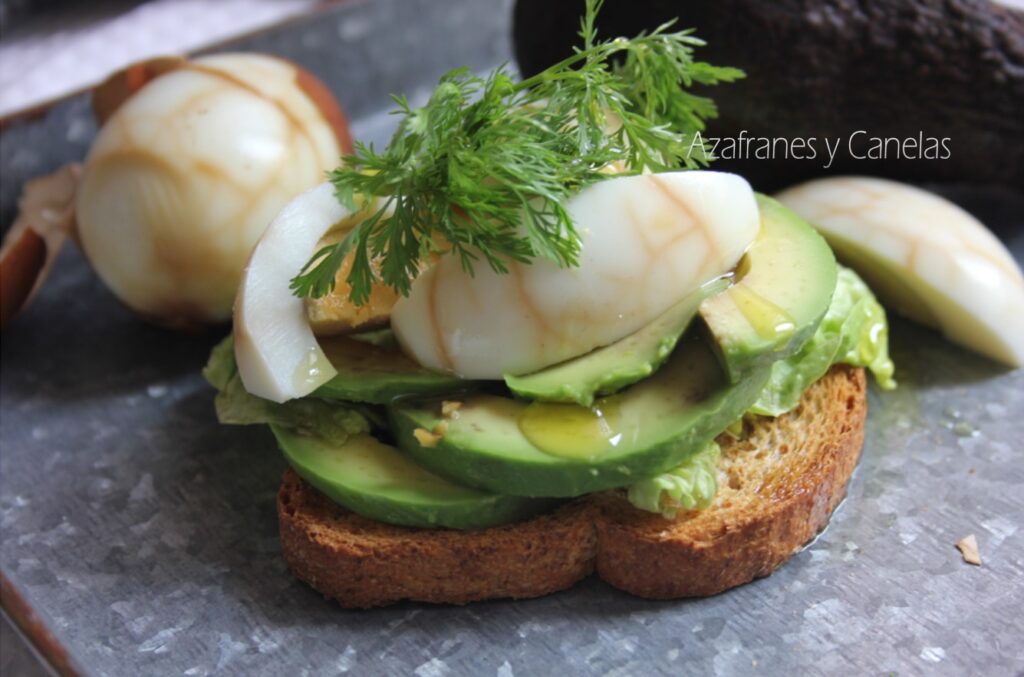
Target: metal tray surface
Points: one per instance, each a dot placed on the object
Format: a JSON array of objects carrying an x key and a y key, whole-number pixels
[{"x": 144, "y": 535}]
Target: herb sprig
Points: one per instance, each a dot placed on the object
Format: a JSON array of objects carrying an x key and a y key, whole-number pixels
[{"x": 483, "y": 170}]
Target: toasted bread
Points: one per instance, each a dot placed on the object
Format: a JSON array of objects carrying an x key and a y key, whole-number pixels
[{"x": 778, "y": 485}]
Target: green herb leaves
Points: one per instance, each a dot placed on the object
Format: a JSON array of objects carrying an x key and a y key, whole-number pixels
[{"x": 483, "y": 170}]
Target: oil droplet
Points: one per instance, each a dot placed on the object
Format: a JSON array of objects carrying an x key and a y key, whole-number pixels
[
  {"x": 572, "y": 431},
  {"x": 308, "y": 371},
  {"x": 768, "y": 320},
  {"x": 740, "y": 271}
]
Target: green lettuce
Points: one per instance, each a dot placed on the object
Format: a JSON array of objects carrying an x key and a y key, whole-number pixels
[
  {"x": 691, "y": 486},
  {"x": 333, "y": 421},
  {"x": 854, "y": 331}
]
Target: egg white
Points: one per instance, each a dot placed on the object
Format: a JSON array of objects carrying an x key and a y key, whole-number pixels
[{"x": 646, "y": 241}]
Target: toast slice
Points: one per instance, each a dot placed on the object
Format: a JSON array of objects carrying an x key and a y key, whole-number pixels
[{"x": 778, "y": 486}]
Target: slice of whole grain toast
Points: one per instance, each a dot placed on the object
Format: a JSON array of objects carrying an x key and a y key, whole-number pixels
[{"x": 778, "y": 485}]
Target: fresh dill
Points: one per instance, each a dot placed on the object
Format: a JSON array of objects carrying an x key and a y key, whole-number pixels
[{"x": 483, "y": 170}]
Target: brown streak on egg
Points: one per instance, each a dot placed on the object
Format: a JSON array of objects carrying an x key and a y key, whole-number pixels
[
  {"x": 696, "y": 225},
  {"x": 856, "y": 210},
  {"x": 527, "y": 301},
  {"x": 108, "y": 96},
  {"x": 172, "y": 254},
  {"x": 915, "y": 245},
  {"x": 1013, "y": 273},
  {"x": 139, "y": 155},
  {"x": 662, "y": 249},
  {"x": 869, "y": 195},
  {"x": 641, "y": 234},
  {"x": 196, "y": 257},
  {"x": 295, "y": 127},
  {"x": 121, "y": 85},
  {"x": 296, "y": 124},
  {"x": 215, "y": 172},
  {"x": 872, "y": 196},
  {"x": 165, "y": 168},
  {"x": 648, "y": 247},
  {"x": 685, "y": 208},
  {"x": 242, "y": 214},
  {"x": 172, "y": 184},
  {"x": 864, "y": 189}
]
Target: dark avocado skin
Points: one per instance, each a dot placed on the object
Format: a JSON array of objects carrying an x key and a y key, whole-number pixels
[
  {"x": 677, "y": 415},
  {"x": 827, "y": 68}
]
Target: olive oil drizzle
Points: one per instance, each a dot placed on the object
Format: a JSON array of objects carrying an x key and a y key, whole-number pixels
[
  {"x": 768, "y": 320},
  {"x": 571, "y": 431}
]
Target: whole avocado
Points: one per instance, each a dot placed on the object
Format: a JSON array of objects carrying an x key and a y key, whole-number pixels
[{"x": 900, "y": 69}]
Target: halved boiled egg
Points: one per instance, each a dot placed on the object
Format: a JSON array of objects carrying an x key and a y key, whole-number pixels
[
  {"x": 646, "y": 241},
  {"x": 187, "y": 172},
  {"x": 925, "y": 257}
]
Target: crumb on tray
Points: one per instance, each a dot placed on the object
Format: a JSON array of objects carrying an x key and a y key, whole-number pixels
[{"x": 968, "y": 547}]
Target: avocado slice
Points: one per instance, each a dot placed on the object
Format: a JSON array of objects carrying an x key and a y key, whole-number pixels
[
  {"x": 783, "y": 286},
  {"x": 379, "y": 373},
  {"x": 380, "y": 482},
  {"x": 615, "y": 366},
  {"x": 553, "y": 449}
]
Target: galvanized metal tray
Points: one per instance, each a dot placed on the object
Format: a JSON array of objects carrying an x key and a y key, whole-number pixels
[{"x": 139, "y": 536}]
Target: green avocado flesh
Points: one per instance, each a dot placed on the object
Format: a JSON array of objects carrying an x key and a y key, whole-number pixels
[
  {"x": 626, "y": 412},
  {"x": 380, "y": 482},
  {"x": 617, "y": 365},
  {"x": 784, "y": 285},
  {"x": 377, "y": 374},
  {"x": 553, "y": 449}
]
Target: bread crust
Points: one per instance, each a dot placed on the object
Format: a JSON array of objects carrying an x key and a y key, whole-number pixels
[
  {"x": 778, "y": 487},
  {"x": 363, "y": 563},
  {"x": 767, "y": 508}
]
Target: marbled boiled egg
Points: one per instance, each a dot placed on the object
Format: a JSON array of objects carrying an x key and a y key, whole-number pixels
[
  {"x": 187, "y": 172},
  {"x": 925, "y": 257},
  {"x": 646, "y": 241}
]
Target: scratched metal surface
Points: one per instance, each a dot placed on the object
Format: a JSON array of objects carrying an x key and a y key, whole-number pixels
[{"x": 144, "y": 534}]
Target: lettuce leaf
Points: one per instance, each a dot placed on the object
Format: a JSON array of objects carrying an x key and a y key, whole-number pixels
[
  {"x": 221, "y": 367},
  {"x": 691, "y": 486},
  {"x": 333, "y": 421},
  {"x": 854, "y": 331}
]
